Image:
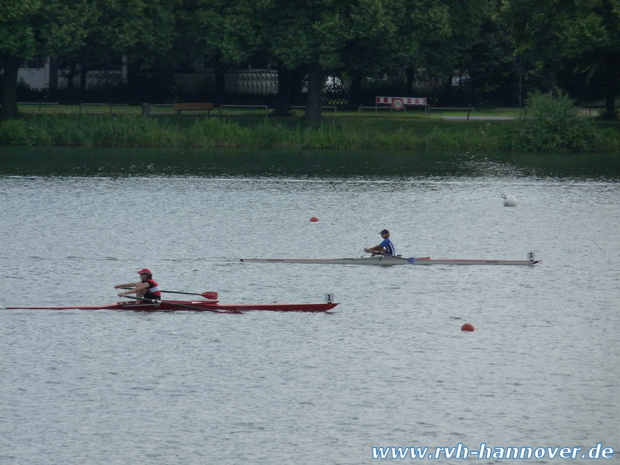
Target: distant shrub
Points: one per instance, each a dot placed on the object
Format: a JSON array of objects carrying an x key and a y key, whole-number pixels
[
  {"x": 14, "y": 132},
  {"x": 215, "y": 132},
  {"x": 553, "y": 124}
]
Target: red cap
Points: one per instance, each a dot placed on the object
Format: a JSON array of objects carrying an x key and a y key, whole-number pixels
[{"x": 145, "y": 270}]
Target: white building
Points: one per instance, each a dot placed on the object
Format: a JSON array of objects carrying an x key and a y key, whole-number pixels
[{"x": 39, "y": 75}]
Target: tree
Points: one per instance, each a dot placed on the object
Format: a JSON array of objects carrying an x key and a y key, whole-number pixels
[
  {"x": 397, "y": 37},
  {"x": 135, "y": 33},
  {"x": 89, "y": 31},
  {"x": 316, "y": 38},
  {"x": 38, "y": 29},
  {"x": 306, "y": 36},
  {"x": 138, "y": 33},
  {"x": 452, "y": 30},
  {"x": 378, "y": 42},
  {"x": 494, "y": 73},
  {"x": 221, "y": 32},
  {"x": 582, "y": 34},
  {"x": 292, "y": 35}
]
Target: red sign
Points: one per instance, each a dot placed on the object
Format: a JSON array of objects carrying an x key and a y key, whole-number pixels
[{"x": 398, "y": 104}]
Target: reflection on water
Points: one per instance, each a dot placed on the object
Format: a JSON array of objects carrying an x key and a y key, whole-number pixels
[
  {"x": 388, "y": 367},
  {"x": 63, "y": 161}
]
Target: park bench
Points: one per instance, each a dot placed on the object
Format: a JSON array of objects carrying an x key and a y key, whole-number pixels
[{"x": 179, "y": 107}]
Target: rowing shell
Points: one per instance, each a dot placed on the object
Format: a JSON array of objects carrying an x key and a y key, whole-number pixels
[
  {"x": 388, "y": 261},
  {"x": 195, "y": 306}
]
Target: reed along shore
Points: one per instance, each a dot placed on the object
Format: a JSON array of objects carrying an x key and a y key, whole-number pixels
[{"x": 334, "y": 133}]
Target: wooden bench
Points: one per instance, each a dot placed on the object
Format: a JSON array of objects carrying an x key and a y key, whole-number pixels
[{"x": 179, "y": 107}]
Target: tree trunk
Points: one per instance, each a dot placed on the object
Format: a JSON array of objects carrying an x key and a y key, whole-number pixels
[
  {"x": 53, "y": 75},
  {"x": 70, "y": 75},
  {"x": 83, "y": 75},
  {"x": 220, "y": 81},
  {"x": 297, "y": 84},
  {"x": 612, "y": 82},
  {"x": 355, "y": 89},
  {"x": 315, "y": 86},
  {"x": 285, "y": 91},
  {"x": 409, "y": 84},
  {"x": 9, "y": 108}
]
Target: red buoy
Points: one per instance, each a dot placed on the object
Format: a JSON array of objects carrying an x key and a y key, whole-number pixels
[
  {"x": 468, "y": 327},
  {"x": 314, "y": 219}
]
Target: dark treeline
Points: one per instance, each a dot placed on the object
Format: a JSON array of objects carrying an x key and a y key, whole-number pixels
[{"x": 501, "y": 50}]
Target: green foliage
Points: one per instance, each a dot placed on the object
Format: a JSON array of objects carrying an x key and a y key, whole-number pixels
[
  {"x": 358, "y": 37},
  {"x": 562, "y": 131},
  {"x": 610, "y": 140},
  {"x": 553, "y": 124},
  {"x": 140, "y": 30},
  {"x": 16, "y": 32},
  {"x": 212, "y": 132},
  {"x": 569, "y": 37},
  {"x": 89, "y": 131},
  {"x": 14, "y": 132},
  {"x": 30, "y": 28}
]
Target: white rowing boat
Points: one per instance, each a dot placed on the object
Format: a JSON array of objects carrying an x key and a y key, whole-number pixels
[{"x": 389, "y": 261}]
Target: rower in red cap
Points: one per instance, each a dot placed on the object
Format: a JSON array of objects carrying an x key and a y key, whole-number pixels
[{"x": 146, "y": 288}]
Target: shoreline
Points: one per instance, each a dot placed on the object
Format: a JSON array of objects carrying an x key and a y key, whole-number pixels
[
  {"x": 20, "y": 161},
  {"x": 449, "y": 133}
]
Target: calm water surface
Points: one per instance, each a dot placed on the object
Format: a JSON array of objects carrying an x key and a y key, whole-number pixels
[{"x": 388, "y": 367}]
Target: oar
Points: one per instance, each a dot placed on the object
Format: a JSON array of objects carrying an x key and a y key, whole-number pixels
[
  {"x": 206, "y": 295},
  {"x": 410, "y": 260},
  {"x": 174, "y": 304}
]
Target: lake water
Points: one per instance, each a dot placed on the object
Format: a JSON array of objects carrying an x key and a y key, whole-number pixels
[{"x": 388, "y": 367}]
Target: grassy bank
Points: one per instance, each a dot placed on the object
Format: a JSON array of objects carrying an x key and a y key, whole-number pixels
[{"x": 283, "y": 133}]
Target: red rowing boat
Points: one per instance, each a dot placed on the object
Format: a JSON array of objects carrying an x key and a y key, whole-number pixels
[{"x": 193, "y": 305}]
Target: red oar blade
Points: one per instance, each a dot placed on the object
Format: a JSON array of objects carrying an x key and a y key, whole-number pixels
[{"x": 206, "y": 295}]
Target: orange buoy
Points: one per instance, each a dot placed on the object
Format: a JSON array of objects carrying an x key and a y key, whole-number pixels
[
  {"x": 314, "y": 219},
  {"x": 468, "y": 327}
]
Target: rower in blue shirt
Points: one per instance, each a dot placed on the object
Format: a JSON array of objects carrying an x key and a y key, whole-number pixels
[{"x": 385, "y": 248}]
